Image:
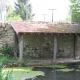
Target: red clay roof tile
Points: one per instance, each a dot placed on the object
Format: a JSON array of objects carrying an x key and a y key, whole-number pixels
[{"x": 44, "y": 27}]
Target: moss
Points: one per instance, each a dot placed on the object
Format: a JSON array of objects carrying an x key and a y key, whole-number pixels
[
  {"x": 22, "y": 73},
  {"x": 55, "y": 66},
  {"x": 65, "y": 70}
]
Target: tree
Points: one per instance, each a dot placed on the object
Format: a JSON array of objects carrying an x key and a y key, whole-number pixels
[
  {"x": 75, "y": 8},
  {"x": 20, "y": 9},
  {"x": 11, "y": 14}
]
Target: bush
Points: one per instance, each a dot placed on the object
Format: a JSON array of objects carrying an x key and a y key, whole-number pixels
[{"x": 6, "y": 50}]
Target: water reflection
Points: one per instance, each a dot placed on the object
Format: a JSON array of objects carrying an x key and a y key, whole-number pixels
[{"x": 56, "y": 74}]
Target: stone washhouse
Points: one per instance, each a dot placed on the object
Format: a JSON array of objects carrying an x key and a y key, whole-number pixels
[
  {"x": 42, "y": 39},
  {"x": 47, "y": 39}
]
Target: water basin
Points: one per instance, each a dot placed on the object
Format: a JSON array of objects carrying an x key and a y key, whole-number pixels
[{"x": 45, "y": 73}]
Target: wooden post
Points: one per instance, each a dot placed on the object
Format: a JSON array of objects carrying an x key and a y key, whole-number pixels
[
  {"x": 74, "y": 46},
  {"x": 55, "y": 48},
  {"x": 15, "y": 44},
  {"x": 20, "y": 48}
]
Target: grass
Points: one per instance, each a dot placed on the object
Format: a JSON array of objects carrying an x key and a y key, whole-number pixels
[{"x": 6, "y": 59}]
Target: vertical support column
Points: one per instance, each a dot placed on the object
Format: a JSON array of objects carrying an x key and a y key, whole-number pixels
[
  {"x": 55, "y": 48},
  {"x": 15, "y": 44},
  {"x": 20, "y": 48},
  {"x": 74, "y": 46}
]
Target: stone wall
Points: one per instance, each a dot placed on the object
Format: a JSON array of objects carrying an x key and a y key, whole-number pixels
[
  {"x": 78, "y": 47},
  {"x": 38, "y": 45},
  {"x": 65, "y": 46},
  {"x": 6, "y": 34},
  {"x": 42, "y": 44}
]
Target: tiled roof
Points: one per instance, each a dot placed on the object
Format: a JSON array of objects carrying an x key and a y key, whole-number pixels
[{"x": 44, "y": 27}]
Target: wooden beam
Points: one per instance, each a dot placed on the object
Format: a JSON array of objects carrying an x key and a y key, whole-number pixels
[
  {"x": 55, "y": 48},
  {"x": 20, "y": 47},
  {"x": 14, "y": 28},
  {"x": 15, "y": 44}
]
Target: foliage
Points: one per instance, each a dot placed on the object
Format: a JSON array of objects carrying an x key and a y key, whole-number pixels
[
  {"x": 6, "y": 50},
  {"x": 7, "y": 76},
  {"x": 7, "y": 60},
  {"x": 1, "y": 73},
  {"x": 20, "y": 9},
  {"x": 75, "y": 8},
  {"x": 68, "y": 19},
  {"x": 11, "y": 15},
  {"x": 3, "y": 76}
]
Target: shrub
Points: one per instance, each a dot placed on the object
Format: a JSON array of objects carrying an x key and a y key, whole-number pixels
[{"x": 6, "y": 50}]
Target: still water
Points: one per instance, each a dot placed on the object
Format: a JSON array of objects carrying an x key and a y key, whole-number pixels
[
  {"x": 47, "y": 73},
  {"x": 58, "y": 74}
]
